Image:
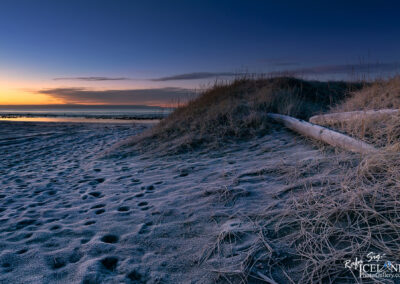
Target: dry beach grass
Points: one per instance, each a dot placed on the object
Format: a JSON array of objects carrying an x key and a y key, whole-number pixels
[
  {"x": 359, "y": 212},
  {"x": 338, "y": 207},
  {"x": 237, "y": 110}
]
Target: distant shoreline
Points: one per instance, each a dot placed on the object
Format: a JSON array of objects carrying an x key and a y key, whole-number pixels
[
  {"x": 85, "y": 114},
  {"x": 89, "y": 116},
  {"x": 79, "y": 118}
]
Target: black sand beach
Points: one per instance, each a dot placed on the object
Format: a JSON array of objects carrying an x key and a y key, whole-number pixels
[{"x": 69, "y": 216}]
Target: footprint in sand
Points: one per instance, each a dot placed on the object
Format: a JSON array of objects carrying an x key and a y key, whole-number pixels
[
  {"x": 145, "y": 228},
  {"x": 24, "y": 223},
  {"x": 7, "y": 267},
  {"x": 134, "y": 276},
  {"x": 56, "y": 262},
  {"x": 143, "y": 203},
  {"x": 97, "y": 206},
  {"x": 75, "y": 256},
  {"x": 100, "y": 180},
  {"x": 91, "y": 222},
  {"x": 96, "y": 194},
  {"x": 22, "y": 251},
  {"x": 135, "y": 181},
  {"x": 123, "y": 209},
  {"x": 85, "y": 241},
  {"x": 100, "y": 211},
  {"x": 109, "y": 239},
  {"x": 110, "y": 263},
  {"x": 55, "y": 227}
]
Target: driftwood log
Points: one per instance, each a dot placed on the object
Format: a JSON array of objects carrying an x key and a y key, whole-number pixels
[
  {"x": 332, "y": 118},
  {"x": 323, "y": 134}
]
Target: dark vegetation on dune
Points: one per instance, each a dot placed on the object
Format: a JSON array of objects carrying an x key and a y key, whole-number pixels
[{"x": 237, "y": 110}]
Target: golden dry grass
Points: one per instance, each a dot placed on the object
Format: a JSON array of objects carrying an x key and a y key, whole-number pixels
[
  {"x": 329, "y": 224},
  {"x": 380, "y": 94},
  {"x": 360, "y": 211},
  {"x": 237, "y": 110},
  {"x": 383, "y": 131}
]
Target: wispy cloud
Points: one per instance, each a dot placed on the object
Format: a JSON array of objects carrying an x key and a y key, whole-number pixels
[
  {"x": 91, "y": 79},
  {"x": 347, "y": 68},
  {"x": 196, "y": 75},
  {"x": 285, "y": 69},
  {"x": 135, "y": 96}
]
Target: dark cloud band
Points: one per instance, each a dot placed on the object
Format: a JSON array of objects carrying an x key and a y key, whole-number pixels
[
  {"x": 196, "y": 76},
  {"x": 347, "y": 69},
  {"x": 144, "y": 96},
  {"x": 315, "y": 70},
  {"x": 91, "y": 79}
]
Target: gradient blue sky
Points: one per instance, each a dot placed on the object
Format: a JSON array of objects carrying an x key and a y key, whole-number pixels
[{"x": 145, "y": 44}]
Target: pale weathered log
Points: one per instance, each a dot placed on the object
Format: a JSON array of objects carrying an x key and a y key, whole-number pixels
[
  {"x": 332, "y": 118},
  {"x": 320, "y": 133}
]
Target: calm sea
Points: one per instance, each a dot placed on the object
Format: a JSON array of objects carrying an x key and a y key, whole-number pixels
[{"x": 83, "y": 113}]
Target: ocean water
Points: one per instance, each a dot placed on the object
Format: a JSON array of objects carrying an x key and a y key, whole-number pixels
[{"x": 83, "y": 113}]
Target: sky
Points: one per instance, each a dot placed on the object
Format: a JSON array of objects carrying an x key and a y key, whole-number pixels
[{"x": 156, "y": 52}]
